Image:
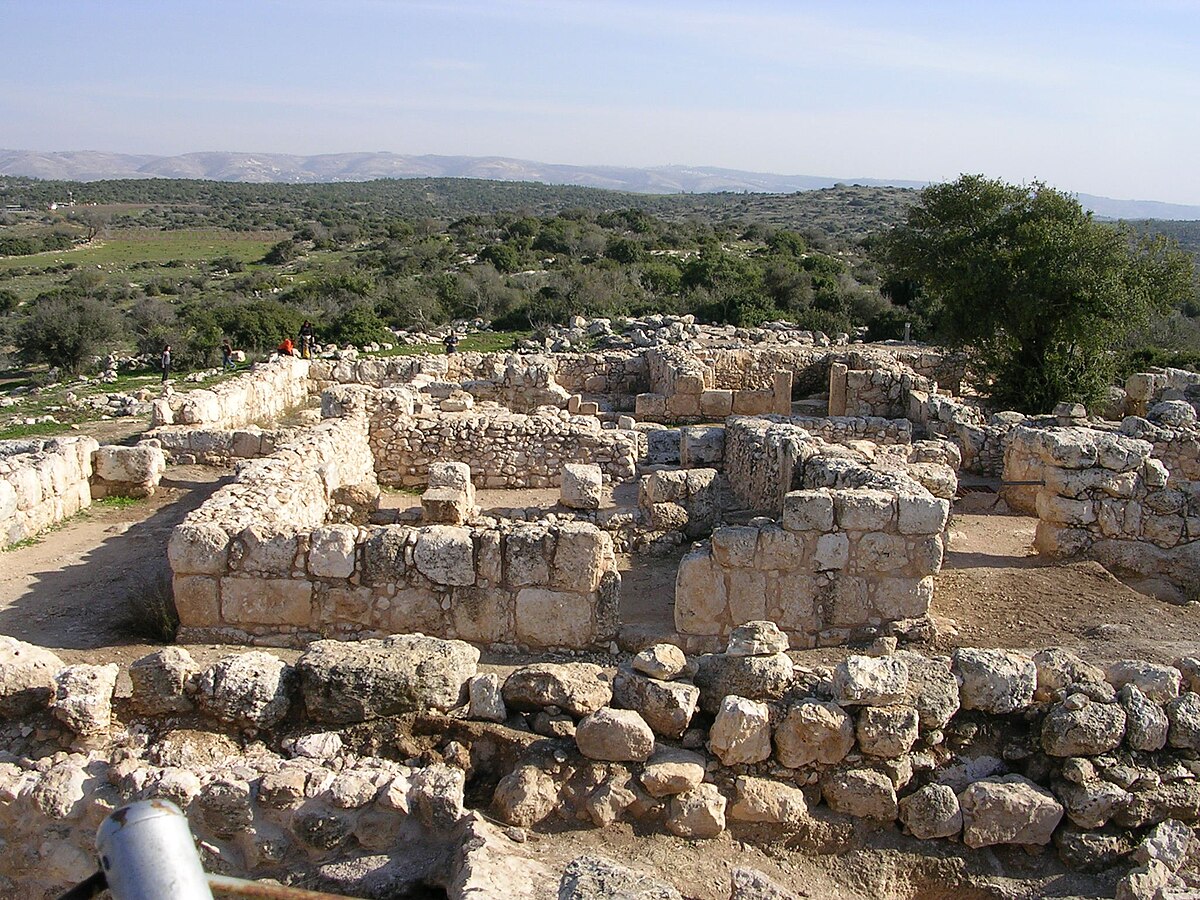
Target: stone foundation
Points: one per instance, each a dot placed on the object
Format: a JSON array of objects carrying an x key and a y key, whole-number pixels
[{"x": 42, "y": 482}]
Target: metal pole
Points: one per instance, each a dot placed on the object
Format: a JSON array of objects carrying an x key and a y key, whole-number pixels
[
  {"x": 239, "y": 887},
  {"x": 147, "y": 853}
]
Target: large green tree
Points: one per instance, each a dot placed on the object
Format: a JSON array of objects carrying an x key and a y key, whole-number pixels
[{"x": 1039, "y": 290}]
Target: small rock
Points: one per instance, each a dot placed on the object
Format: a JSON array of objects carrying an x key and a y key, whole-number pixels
[
  {"x": 615, "y": 735},
  {"x": 870, "y": 681},
  {"x": 700, "y": 813},
  {"x": 486, "y": 698},
  {"x": 931, "y": 812},
  {"x": 741, "y": 732},
  {"x": 662, "y": 661},
  {"x": 757, "y": 639}
]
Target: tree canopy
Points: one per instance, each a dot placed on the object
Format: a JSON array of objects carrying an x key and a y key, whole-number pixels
[{"x": 1037, "y": 288}]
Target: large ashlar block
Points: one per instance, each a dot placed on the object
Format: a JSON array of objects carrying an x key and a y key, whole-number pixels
[
  {"x": 450, "y": 497},
  {"x": 200, "y": 549},
  {"x": 582, "y": 486},
  {"x": 921, "y": 514},
  {"x": 753, "y": 403},
  {"x": 547, "y": 618},
  {"x": 196, "y": 600},
  {"x": 808, "y": 510},
  {"x": 650, "y": 407},
  {"x": 266, "y": 601},
  {"x": 781, "y": 390},
  {"x": 582, "y": 553},
  {"x": 445, "y": 555},
  {"x": 700, "y": 604},
  {"x": 716, "y": 404},
  {"x": 864, "y": 509},
  {"x": 482, "y": 615},
  {"x": 331, "y": 551},
  {"x": 701, "y": 446}
]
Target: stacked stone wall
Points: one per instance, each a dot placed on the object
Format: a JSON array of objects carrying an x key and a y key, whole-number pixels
[
  {"x": 842, "y": 563},
  {"x": 685, "y": 389},
  {"x": 981, "y": 439},
  {"x": 503, "y": 449},
  {"x": 1145, "y": 389},
  {"x": 533, "y": 586},
  {"x": 263, "y": 393},
  {"x": 42, "y": 482},
  {"x": 1104, "y": 496},
  {"x": 216, "y": 447},
  {"x": 873, "y": 384}
]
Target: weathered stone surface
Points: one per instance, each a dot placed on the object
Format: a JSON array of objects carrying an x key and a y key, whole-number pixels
[
  {"x": 932, "y": 689},
  {"x": 253, "y": 689},
  {"x": 486, "y": 698},
  {"x": 1146, "y": 723},
  {"x": 437, "y": 795},
  {"x": 575, "y": 688},
  {"x": 331, "y": 551},
  {"x": 767, "y": 800},
  {"x": 615, "y": 735},
  {"x": 667, "y": 706},
  {"x": 608, "y": 802},
  {"x": 661, "y": 661},
  {"x": 755, "y": 677},
  {"x": 1009, "y": 809},
  {"x": 83, "y": 697},
  {"x": 813, "y": 732},
  {"x": 1145, "y": 882},
  {"x": 346, "y": 682},
  {"x": 582, "y": 486},
  {"x": 670, "y": 771},
  {"x": 1184, "y": 715},
  {"x": 59, "y": 793},
  {"x": 1090, "y": 851},
  {"x": 525, "y": 796},
  {"x": 870, "y": 681},
  {"x": 995, "y": 681},
  {"x": 887, "y": 731},
  {"x": 931, "y": 812},
  {"x": 1169, "y": 842},
  {"x": 864, "y": 793},
  {"x": 26, "y": 677},
  {"x": 597, "y": 878},
  {"x": 1158, "y": 683},
  {"x": 757, "y": 639},
  {"x": 1091, "y": 803},
  {"x": 741, "y": 732},
  {"x": 160, "y": 680},
  {"x": 700, "y": 813},
  {"x": 1057, "y": 669},
  {"x": 445, "y": 555},
  {"x": 750, "y": 884},
  {"x": 1085, "y": 730}
]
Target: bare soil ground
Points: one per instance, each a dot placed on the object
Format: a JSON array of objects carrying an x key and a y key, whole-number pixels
[{"x": 72, "y": 591}]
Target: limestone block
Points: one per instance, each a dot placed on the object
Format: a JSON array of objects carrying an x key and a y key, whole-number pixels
[
  {"x": 1159, "y": 683},
  {"x": 445, "y": 555},
  {"x": 756, "y": 639},
  {"x": 482, "y": 615},
  {"x": 767, "y": 800},
  {"x": 83, "y": 697},
  {"x": 779, "y": 549},
  {"x": 527, "y": 554},
  {"x": 683, "y": 406},
  {"x": 864, "y": 509},
  {"x": 735, "y": 545},
  {"x": 887, "y": 731},
  {"x": 197, "y": 600},
  {"x": 995, "y": 681},
  {"x": 525, "y": 796},
  {"x": 870, "y": 681},
  {"x": 160, "y": 681},
  {"x": 576, "y": 688},
  {"x": 331, "y": 551},
  {"x": 661, "y": 661},
  {"x": 917, "y": 514},
  {"x": 701, "y": 446},
  {"x": 1183, "y": 712},
  {"x": 932, "y": 689},
  {"x": 1146, "y": 723},
  {"x": 650, "y": 407},
  {"x": 411, "y": 610},
  {"x": 582, "y": 486},
  {"x": 864, "y": 793},
  {"x": 700, "y": 813},
  {"x": 756, "y": 677},
  {"x": 446, "y": 506},
  {"x": 198, "y": 549},
  {"x": 741, "y": 732},
  {"x": 662, "y": 446},
  {"x": 813, "y": 732},
  {"x": 546, "y": 618},
  {"x": 832, "y": 552},
  {"x": 700, "y": 603},
  {"x": 1065, "y": 511},
  {"x": 931, "y": 812},
  {"x": 253, "y": 689},
  {"x": 746, "y": 595},
  {"x": 265, "y": 550},
  {"x": 1009, "y": 809},
  {"x": 670, "y": 771},
  {"x": 753, "y": 403},
  {"x": 615, "y": 735},
  {"x": 716, "y": 404},
  {"x": 266, "y": 601}
]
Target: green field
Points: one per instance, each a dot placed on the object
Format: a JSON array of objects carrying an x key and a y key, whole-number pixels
[{"x": 138, "y": 245}]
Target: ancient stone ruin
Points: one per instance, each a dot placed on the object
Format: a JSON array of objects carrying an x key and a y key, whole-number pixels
[{"x": 803, "y": 491}]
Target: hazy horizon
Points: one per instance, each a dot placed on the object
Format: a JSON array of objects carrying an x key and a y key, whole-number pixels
[{"x": 1088, "y": 97}]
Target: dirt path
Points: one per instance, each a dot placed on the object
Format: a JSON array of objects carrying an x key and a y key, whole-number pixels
[
  {"x": 72, "y": 589},
  {"x": 1000, "y": 594}
]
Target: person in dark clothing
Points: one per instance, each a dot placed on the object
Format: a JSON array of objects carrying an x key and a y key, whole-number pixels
[
  {"x": 451, "y": 342},
  {"x": 306, "y": 339},
  {"x": 227, "y": 355},
  {"x": 166, "y": 362}
]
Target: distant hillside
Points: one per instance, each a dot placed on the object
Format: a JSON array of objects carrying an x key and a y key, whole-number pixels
[{"x": 283, "y": 168}]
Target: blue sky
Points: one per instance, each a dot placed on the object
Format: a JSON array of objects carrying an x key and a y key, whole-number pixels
[{"x": 1100, "y": 97}]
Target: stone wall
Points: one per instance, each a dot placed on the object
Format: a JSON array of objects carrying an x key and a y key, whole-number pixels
[
  {"x": 503, "y": 449},
  {"x": 534, "y": 586},
  {"x": 184, "y": 445},
  {"x": 685, "y": 389},
  {"x": 264, "y": 392},
  {"x": 842, "y": 563},
  {"x": 873, "y": 385},
  {"x": 981, "y": 438},
  {"x": 1145, "y": 389},
  {"x": 1105, "y": 497},
  {"x": 980, "y": 748},
  {"x": 844, "y": 429},
  {"x": 42, "y": 482}
]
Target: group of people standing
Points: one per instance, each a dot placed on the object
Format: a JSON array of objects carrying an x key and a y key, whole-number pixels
[{"x": 307, "y": 343}]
